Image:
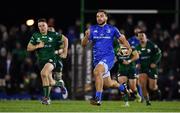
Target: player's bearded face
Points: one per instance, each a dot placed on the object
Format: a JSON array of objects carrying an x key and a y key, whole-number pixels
[
  {"x": 101, "y": 18},
  {"x": 43, "y": 27}
]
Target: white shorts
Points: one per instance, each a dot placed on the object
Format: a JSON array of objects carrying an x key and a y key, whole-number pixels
[{"x": 106, "y": 73}]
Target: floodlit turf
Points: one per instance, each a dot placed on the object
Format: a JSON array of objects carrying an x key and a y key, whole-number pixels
[{"x": 84, "y": 106}]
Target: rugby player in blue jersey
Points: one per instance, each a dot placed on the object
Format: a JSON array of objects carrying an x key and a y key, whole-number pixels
[{"x": 102, "y": 36}]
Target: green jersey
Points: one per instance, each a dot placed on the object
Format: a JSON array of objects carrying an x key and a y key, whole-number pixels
[
  {"x": 148, "y": 54},
  {"x": 52, "y": 41},
  {"x": 120, "y": 58},
  {"x": 125, "y": 70}
]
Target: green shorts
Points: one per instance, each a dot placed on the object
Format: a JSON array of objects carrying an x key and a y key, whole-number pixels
[
  {"x": 151, "y": 72},
  {"x": 58, "y": 65},
  {"x": 129, "y": 73}
]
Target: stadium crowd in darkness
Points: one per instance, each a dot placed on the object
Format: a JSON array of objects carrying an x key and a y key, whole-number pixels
[{"x": 19, "y": 73}]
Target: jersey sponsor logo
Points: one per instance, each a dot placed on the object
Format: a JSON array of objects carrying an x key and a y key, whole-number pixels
[
  {"x": 47, "y": 46},
  {"x": 98, "y": 37},
  {"x": 145, "y": 57}
]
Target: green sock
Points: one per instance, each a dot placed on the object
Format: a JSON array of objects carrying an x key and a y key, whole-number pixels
[
  {"x": 49, "y": 91},
  {"x": 147, "y": 98},
  {"x": 125, "y": 97},
  {"x": 136, "y": 94},
  {"x": 46, "y": 91}
]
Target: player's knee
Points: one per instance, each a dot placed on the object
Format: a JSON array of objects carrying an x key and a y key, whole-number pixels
[
  {"x": 108, "y": 85},
  {"x": 96, "y": 73},
  {"x": 51, "y": 83},
  {"x": 44, "y": 73},
  {"x": 133, "y": 88},
  {"x": 153, "y": 87}
]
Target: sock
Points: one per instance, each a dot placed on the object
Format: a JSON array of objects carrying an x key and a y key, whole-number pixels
[
  {"x": 136, "y": 94},
  {"x": 146, "y": 98},
  {"x": 140, "y": 90},
  {"x": 45, "y": 91},
  {"x": 157, "y": 94},
  {"x": 99, "y": 95},
  {"x": 125, "y": 97},
  {"x": 121, "y": 88},
  {"x": 48, "y": 92}
]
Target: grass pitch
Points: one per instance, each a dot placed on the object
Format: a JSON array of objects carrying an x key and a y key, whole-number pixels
[{"x": 84, "y": 106}]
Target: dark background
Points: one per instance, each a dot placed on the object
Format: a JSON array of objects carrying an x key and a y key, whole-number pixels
[{"x": 67, "y": 11}]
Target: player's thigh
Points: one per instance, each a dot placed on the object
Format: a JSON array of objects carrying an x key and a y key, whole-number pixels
[
  {"x": 152, "y": 83},
  {"x": 99, "y": 69},
  {"x": 107, "y": 81},
  {"x": 143, "y": 78},
  {"x": 48, "y": 67},
  {"x": 132, "y": 84}
]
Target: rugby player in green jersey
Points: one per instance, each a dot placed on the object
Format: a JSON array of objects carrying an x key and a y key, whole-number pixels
[
  {"x": 45, "y": 44},
  {"x": 127, "y": 69},
  {"x": 149, "y": 58}
]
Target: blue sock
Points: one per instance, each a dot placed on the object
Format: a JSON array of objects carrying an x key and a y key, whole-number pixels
[
  {"x": 121, "y": 88},
  {"x": 99, "y": 95},
  {"x": 139, "y": 90}
]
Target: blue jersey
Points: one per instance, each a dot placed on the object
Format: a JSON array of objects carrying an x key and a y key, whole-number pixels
[
  {"x": 102, "y": 38},
  {"x": 133, "y": 41}
]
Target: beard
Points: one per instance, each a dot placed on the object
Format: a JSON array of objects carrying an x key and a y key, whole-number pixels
[{"x": 102, "y": 23}]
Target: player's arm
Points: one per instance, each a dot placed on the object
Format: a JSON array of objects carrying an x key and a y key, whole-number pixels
[
  {"x": 85, "y": 40},
  {"x": 135, "y": 56},
  {"x": 122, "y": 40},
  {"x": 65, "y": 49},
  {"x": 32, "y": 47},
  {"x": 156, "y": 56},
  {"x": 62, "y": 52}
]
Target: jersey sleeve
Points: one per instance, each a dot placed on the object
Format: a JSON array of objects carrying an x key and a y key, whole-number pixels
[
  {"x": 59, "y": 36},
  {"x": 91, "y": 33},
  {"x": 33, "y": 40},
  {"x": 59, "y": 39},
  {"x": 117, "y": 33},
  {"x": 156, "y": 54}
]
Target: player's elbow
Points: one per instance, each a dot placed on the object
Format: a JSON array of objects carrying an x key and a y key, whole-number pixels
[
  {"x": 137, "y": 56},
  {"x": 29, "y": 48},
  {"x": 83, "y": 43}
]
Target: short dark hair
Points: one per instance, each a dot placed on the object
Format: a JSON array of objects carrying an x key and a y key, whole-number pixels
[
  {"x": 140, "y": 30},
  {"x": 101, "y": 10},
  {"x": 42, "y": 20}
]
